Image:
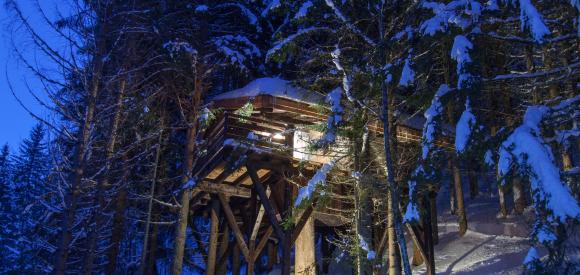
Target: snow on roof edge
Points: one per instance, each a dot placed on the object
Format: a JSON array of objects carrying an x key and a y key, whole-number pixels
[{"x": 275, "y": 87}]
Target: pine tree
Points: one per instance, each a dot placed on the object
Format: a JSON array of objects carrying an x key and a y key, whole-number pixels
[
  {"x": 7, "y": 229},
  {"x": 30, "y": 170}
]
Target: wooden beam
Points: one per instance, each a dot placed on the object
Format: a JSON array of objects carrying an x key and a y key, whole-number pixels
[
  {"x": 240, "y": 179},
  {"x": 263, "y": 242},
  {"x": 226, "y": 189},
  {"x": 270, "y": 212},
  {"x": 258, "y": 222},
  {"x": 213, "y": 237},
  {"x": 234, "y": 226}
]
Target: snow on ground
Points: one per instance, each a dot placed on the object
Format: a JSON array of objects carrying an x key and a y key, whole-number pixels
[
  {"x": 477, "y": 253},
  {"x": 490, "y": 246}
]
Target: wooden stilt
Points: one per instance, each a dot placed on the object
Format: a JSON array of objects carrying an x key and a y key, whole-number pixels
[
  {"x": 213, "y": 237},
  {"x": 234, "y": 226},
  {"x": 286, "y": 241},
  {"x": 272, "y": 255},
  {"x": 270, "y": 212},
  {"x": 305, "y": 258},
  {"x": 223, "y": 251},
  {"x": 236, "y": 260}
]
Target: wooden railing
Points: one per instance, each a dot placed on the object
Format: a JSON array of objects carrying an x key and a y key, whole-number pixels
[{"x": 262, "y": 134}]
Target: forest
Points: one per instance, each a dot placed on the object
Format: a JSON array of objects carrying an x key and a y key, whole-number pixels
[{"x": 296, "y": 137}]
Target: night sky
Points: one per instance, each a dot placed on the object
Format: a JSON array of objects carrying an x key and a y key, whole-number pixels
[{"x": 15, "y": 122}]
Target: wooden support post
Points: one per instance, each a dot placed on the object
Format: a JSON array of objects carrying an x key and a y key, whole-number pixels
[
  {"x": 234, "y": 226},
  {"x": 270, "y": 212},
  {"x": 223, "y": 251},
  {"x": 272, "y": 255},
  {"x": 303, "y": 220},
  {"x": 236, "y": 260},
  {"x": 263, "y": 242},
  {"x": 286, "y": 241},
  {"x": 258, "y": 222},
  {"x": 250, "y": 266},
  {"x": 213, "y": 237},
  {"x": 305, "y": 257}
]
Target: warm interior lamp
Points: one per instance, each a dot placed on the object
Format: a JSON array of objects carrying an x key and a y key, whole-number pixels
[{"x": 278, "y": 136}]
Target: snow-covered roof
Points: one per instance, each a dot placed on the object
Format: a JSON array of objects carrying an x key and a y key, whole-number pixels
[{"x": 275, "y": 87}]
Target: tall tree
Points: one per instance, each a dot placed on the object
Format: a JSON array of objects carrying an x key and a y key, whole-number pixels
[{"x": 30, "y": 171}]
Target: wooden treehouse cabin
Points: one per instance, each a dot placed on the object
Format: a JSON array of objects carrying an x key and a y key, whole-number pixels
[{"x": 250, "y": 172}]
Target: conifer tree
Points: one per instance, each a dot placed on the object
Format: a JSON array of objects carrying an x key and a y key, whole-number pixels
[
  {"x": 7, "y": 228},
  {"x": 30, "y": 169}
]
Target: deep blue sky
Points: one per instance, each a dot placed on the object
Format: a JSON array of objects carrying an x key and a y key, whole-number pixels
[{"x": 15, "y": 122}]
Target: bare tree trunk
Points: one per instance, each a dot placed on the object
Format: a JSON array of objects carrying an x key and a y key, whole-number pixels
[
  {"x": 392, "y": 247},
  {"x": 393, "y": 190},
  {"x": 118, "y": 223},
  {"x": 362, "y": 218},
  {"x": 143, "y": 264},
  {"x": 433, "y": 209},
  {"x": 519, "y": 197},
  {"x": 452, "y": 197},
  {"x": 473, "y": 184},
  {"x": 104, "y": 181},
  {"x": 76, "y": 178},
  {"x": 461, "y": 214},
  {"x": 187, "y": 174},
  {"x": 503, "y": 211}
]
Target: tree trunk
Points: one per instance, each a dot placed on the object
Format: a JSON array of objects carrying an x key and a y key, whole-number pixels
[
  {"x": 473, "y": 184},
  {"x": 143, "y": 264},
  {"x": 461, "y": 214},
  {"x": 103, "y": 182},
  {"x": 433, "y": 209},
  {"x": 363, "y": 220},
  {"x": 118, "y": 224},
  {"x": 393, "y": 190},
  {"x": 187, "y": 174},
  {"x": 503, "y": 211},
  {"x": 79, "y": 163},
  {"x": 519, "y": 197},
  {"x": 392, "y": 247},
  {"x": 452, "y": 197}
]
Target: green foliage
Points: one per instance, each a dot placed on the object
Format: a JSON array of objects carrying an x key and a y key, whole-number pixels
[{"x": 245, "y": 111}]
